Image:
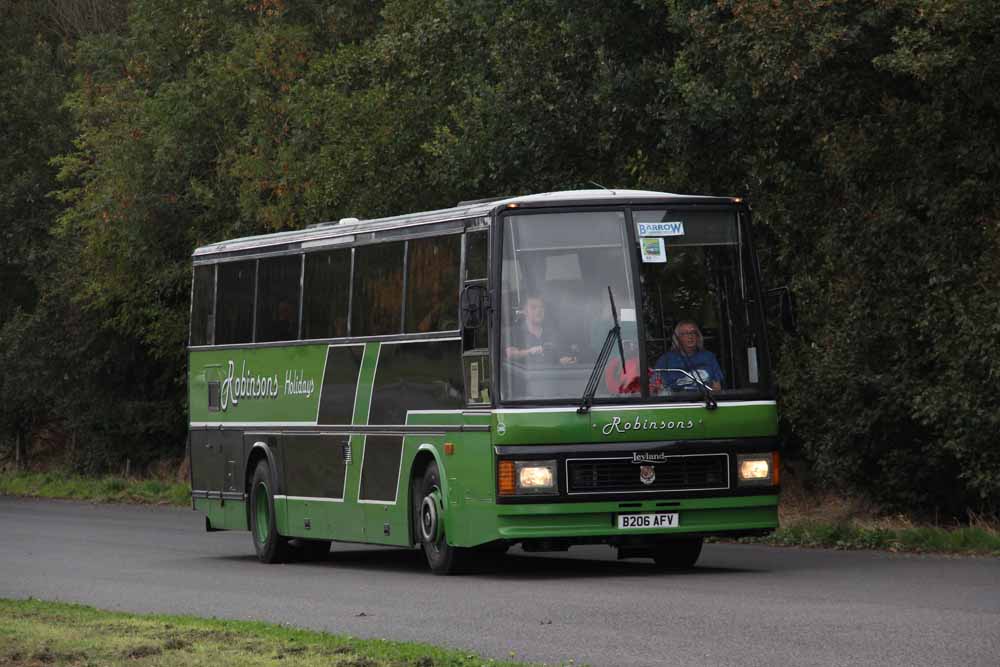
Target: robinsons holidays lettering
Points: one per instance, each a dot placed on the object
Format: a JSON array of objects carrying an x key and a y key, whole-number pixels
[{"x": 247, "y": 386}]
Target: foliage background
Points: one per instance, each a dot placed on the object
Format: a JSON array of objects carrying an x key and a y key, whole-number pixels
[{"x": 865, "y": 133}]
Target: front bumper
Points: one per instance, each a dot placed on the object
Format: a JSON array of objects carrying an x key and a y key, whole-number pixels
[{"x": 732, "y": 516}]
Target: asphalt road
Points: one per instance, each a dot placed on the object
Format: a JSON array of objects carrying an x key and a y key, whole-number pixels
[{"x": 743, "y": 605}]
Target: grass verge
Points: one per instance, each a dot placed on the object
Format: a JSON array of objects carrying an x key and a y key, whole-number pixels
[
  {"x": 817, "y": 518},
  {"x": 94, "y": 489},
  {"x": 56, "y": 634},
  {"x": 965, "y": 541}
]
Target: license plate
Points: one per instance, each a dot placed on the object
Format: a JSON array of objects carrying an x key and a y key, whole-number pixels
[{"x": 658, "y": 520}]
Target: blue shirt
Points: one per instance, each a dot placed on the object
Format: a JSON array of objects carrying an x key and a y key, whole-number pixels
[{"x": 703, "y": 363}]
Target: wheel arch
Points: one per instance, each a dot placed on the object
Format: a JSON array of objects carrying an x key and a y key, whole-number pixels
[
  {"x": 426, "y": 454},
  {"x": 260, "y": 450}
]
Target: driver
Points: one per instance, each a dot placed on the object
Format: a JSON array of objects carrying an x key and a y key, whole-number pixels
[
  {"x": 532, "y": 341},
  {"x": 687, "y": 352}
]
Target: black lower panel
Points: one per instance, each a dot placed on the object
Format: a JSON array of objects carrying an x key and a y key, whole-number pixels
[
  {"x": 380, "y": 473},
  {"x": 314, "y": 465},
  {"x": 340, "y": 383},
  {"x": 217, "y": 460},
  {"x": 207, "y": 461}
]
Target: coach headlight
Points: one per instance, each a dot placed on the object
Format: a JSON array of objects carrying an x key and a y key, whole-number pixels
[
  {"x": 757, "y": 469},
  {"x": 536, "y": 476},
  {"x": 527, "y": 478}
]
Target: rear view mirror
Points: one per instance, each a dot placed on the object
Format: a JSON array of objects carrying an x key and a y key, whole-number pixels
[
  {"x": 473, "y": 306},
  {"x": 781, "y": 305}
]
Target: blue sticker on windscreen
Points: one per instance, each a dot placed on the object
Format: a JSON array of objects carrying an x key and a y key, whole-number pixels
[{"x": 660, "y": 228}]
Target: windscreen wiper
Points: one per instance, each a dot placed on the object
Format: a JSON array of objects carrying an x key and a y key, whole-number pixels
[
  {"x": 706, "y": 391},
  {"x": 615, "y": 333}
]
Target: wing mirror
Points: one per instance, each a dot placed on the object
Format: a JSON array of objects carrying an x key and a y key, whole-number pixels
[{"x": 474, "y": 306}]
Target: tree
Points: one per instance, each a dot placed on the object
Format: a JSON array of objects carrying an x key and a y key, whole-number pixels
[
  {"x": 866, "y": 136},
  {"x": 863, "y": 133}
]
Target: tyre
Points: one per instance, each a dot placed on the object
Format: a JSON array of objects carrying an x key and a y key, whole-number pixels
[
  {"x": 269, "y": 545},
  {"x": 677, "y": 554},
  {"x": 428, "y": 503}
]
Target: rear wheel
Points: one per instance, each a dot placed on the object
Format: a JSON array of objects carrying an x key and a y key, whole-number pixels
[
  {"x": 269, "y": 545},
  {"x": 677, "y": 554},
  {"x": 428, "y": 501}
]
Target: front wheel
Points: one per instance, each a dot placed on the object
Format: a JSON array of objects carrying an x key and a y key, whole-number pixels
[
  {"x": 678, "y": 554},
  {"x": 269, "y": 545},
  {"x": 428, "y": 503}
]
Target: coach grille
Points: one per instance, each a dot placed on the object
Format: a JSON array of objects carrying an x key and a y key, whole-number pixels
[{"x": 699, "y": 472}]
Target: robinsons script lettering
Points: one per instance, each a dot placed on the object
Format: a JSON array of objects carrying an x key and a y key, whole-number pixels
[{"x": 616, "y": 425}]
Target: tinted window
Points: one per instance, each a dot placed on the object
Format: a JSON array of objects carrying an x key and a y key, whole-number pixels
[
  {"x": 477, "y": 377},
  {"x": 416, "y": 376},
  {"x": 432, "y": 267},
  {"x": 340, "y": 384},
  {"x": 234, "y": 323},
  {"x": 476, "y": 255},
  {"x": 278, "y": 298},
  {"x": 203, "y": 306},
  {"x": 378, "y": 290},
  {"x": 476, "y": 268},
  {"x": 327, "y": 291}
]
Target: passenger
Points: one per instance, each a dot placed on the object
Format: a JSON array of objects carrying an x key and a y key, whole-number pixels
[
  {"x": 688, "y": 353},
  {"x": 532, "y": 340}
]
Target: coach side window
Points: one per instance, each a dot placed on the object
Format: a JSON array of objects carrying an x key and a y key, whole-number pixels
[
  {"x": 432, "y": 267},
  {"x": 234, "y": 322},
  {"x": 203, "y": 306},
  {"x": 278, "y": 280},
  {"x": 475, "y": 356},
  {"x": 476, "y": 255},
  {"x": 327, "y": 294},
  {"x": 476, "y": 267},
  {"x": 377, "y": 301}
]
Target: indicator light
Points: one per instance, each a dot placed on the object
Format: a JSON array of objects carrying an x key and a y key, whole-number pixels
[{"x": 505, "y": 478}]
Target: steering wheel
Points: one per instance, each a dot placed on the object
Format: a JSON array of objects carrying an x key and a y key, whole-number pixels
[{"x": 619, "y": 380}]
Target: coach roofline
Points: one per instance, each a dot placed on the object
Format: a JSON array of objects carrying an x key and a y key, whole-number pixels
[{"x": 330, "y": 231}]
